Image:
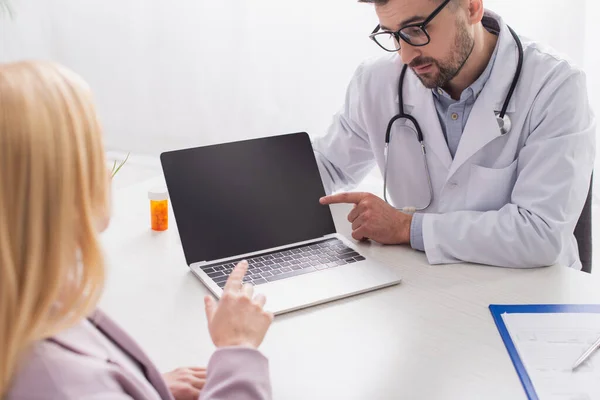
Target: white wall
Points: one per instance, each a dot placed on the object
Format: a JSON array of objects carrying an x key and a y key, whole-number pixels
[
  {"x": 186, "y": 72},
  {"x": 179, "y": 73},
  {"x": 559, "y": 23}
]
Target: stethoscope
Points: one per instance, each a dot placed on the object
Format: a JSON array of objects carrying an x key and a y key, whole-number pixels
[{"x": 504, "y": 123}]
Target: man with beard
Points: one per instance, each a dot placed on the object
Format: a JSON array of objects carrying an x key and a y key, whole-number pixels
[{"x": 485, "y": 140}]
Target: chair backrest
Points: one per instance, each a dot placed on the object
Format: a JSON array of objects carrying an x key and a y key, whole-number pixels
[{"x": 583, "y": 233}]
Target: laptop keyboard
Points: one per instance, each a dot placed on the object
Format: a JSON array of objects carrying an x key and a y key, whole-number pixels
[{"x": 288, "y": 263}]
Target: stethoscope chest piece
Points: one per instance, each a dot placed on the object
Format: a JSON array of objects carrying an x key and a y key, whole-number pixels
[{"x": 504, "y": 123}]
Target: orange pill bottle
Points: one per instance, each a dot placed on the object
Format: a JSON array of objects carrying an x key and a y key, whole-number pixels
[{"x": 159, "y": 209}]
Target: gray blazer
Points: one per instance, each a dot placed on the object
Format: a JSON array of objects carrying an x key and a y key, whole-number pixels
[{"x": 73, "y": 366}]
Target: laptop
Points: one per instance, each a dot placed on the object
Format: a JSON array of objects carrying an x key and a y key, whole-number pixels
[{"x": 258, "y": 200}]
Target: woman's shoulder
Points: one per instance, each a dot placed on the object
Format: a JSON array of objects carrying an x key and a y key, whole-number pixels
[{"x": 49, "y": 370}]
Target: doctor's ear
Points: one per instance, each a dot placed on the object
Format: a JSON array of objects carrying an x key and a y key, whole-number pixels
[{"x": 475, "y": 11}]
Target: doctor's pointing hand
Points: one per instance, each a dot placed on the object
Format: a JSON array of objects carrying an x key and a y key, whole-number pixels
[{"x": 372, "y": 218}]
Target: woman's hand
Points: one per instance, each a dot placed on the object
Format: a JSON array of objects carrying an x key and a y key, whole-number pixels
[
  {"x": 238, "y": 319},
  {"x": 186, "y": 383}
]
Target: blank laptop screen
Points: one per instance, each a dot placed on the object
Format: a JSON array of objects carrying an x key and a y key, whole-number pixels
[{"x": 236, "y": 198}]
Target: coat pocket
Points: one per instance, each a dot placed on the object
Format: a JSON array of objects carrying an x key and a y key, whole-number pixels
[{"x": 490, "y": 188}]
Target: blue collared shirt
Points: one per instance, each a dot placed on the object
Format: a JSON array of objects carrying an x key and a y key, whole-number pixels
[{"x": 453, "y": 115}]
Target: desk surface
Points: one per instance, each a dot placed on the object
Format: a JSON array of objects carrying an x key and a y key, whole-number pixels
[{"x": 431, "y": 337}]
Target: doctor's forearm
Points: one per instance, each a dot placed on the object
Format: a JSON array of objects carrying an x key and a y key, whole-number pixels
[{"x": 509, "y": 237}]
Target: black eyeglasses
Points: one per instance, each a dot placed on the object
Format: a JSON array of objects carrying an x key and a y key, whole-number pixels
[{"x": 413, "y": 34}]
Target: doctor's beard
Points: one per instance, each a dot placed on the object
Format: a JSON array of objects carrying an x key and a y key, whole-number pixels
[{"x": 450, "y": 67}]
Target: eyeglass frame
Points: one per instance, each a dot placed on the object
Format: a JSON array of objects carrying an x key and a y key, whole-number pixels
[{"x": 397, "y": 35}]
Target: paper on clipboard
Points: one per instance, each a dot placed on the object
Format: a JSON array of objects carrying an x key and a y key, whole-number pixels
[{"x": 549, "y": 344}]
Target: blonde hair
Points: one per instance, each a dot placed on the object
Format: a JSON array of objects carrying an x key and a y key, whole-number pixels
[{"x": 53, "y": 189}]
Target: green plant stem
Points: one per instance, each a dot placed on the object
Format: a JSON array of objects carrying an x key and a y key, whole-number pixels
[{"x": 114, "y": 171}]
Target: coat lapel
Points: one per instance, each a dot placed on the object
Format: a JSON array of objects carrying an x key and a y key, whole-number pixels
[
  {"x": 418, "y": 102},
  {"x": 482, "y": 127},
  {"x": 128, "y": 345},
  {"x": 480, "y": 130},
  {"x": 78, "y": 340}
]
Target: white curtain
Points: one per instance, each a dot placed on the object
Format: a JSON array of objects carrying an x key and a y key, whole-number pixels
[{"x": 192, "y": 72}]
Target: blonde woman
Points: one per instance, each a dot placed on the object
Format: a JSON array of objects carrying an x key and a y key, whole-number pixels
[{"x": 54, "y": 344}]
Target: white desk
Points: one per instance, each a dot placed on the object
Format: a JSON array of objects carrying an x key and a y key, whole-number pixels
[{"x": 431, "y": 337}]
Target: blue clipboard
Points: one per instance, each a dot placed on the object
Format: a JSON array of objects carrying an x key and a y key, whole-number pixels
[{"x": 497, "y": 310}]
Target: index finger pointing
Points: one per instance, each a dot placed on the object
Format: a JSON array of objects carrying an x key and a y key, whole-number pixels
[
  {"x": 234, "y": 282},
  {"x": 343, "y": 198}
]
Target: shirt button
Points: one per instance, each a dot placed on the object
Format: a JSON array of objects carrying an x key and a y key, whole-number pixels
[
  {"x": 454, "y": 116},
  {"x": 440, "y": 91}
]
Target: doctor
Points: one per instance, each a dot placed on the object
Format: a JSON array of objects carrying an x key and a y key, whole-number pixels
[{"x": 490, "y": 148}]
